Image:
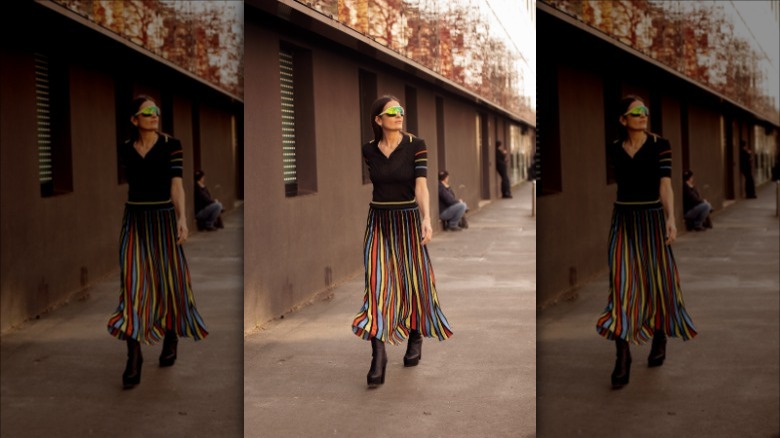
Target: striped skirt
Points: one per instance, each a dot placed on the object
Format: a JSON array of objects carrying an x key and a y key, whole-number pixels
[
  {"x": 400, "y": 292},
  {"x": 155, "y": 291},
  {"x": 644, "y": 292}
]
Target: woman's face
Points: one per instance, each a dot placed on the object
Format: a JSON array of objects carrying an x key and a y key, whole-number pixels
[
  {"x": 147, "y": 118},
  {"x": 635, "y": 118},
  {"x": 391, "y": 122}
]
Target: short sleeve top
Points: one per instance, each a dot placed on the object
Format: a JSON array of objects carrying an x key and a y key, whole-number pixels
[
  {"x": 394, "y": 177},
  {"x": 639, "y": 177},
  {"x": 149, "y": 177}
]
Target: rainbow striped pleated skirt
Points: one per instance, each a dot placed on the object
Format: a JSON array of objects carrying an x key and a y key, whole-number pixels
[
  {"x": 644, "y": 290},
  {"x": 400, "y": 291},
  {"x": 156, "y": 294}
]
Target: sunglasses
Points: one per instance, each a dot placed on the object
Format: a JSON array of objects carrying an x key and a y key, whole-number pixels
[
  {"x": 149, "y": 111},
  {"x": 393, "y": 111},
  {"x": 638, "y": 111}
]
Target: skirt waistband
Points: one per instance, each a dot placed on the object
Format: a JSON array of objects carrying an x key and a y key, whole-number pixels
[
  {"x": 396, "y": 205},
  {"x": 639, "y": 205}
]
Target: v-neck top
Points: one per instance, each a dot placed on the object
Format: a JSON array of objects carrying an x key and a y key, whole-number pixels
[
  {"x": 639, "y": 177},
  {"x": 149, "y": 177},
  {"x": 394, "y": 177}
]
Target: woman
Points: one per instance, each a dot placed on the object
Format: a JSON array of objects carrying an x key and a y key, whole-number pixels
[
  {"x": 645, "y": 297},
  {"x": 156, "y": 299},
  {"x": 400, "y": 295}
]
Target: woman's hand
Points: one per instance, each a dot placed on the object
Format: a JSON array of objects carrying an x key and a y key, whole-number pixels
[
  {"x": 181, "y": 230},
  {"x": 671, "y": 232},
  {"x": 427, "y": 231}
]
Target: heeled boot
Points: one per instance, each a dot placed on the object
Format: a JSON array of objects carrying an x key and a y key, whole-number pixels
[
  {"x": 132, "y": 374},
  {"x": 658, "y": 350},
  {"x": 168, "y": 353},
  {"x": 622, "y": 364},
  {"x": 376, "y": 374},
  {"x": 413, "y": 349}
]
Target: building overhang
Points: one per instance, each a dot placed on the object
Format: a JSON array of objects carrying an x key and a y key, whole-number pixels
[
  {"x": 332, "y": 29},
  {"x": 606, "y": 38},
  {"x": 132, "y": 46}
]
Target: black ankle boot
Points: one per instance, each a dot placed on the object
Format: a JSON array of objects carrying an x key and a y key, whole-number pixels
[
  {"x": 376, "y": 375},
  {"x": 658, "y": 350},
  {"x": 413, "y": 349},
  {"x": 168, "y": 354},
  {"x": 132, "y": 374},
  {"x": 622, "y": 364}
]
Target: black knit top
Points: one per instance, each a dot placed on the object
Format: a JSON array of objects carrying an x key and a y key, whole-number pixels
[
  {"x": 639, "y": 177},
  {"x": 149, "y": 177},
  {"x": 394, "y": 177}
]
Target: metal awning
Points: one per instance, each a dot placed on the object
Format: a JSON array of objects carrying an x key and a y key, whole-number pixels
[
  {"x": 634, "y": 52},
  {"x": 124, "y": 41},
  {"x": 332, "y": 29}
]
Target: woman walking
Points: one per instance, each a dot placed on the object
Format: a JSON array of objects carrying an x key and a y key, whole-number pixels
[
  {"x": 400, "y": 292},
  {"x": 645, "y": 300},
  {"x": 156, "y": 300}
]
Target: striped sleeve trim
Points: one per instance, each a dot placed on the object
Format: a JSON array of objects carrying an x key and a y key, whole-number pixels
[{"x": 176, "y": 160}]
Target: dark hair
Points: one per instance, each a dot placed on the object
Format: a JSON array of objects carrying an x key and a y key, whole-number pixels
[
  {"x": 687, "y": 175},
  {"x": 443, "y": 174},
  {"x": 625, "y": 103},
  {"x": 199, "y": 174},
  {"x": 133, "y": 108},
  {"x": 498, "y": 143},
  {"x": 376, "y": 109}
]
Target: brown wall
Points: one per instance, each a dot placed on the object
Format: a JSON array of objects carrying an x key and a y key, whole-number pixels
[
  {"x": 296, "y": 247},
  {"x": 53, "y": 247},
  {"x": 573, "y": 224},
  {"x": 48, "y": 242},
  {"x": 706, "y": 154},
  {"x": 590, "y": 77},
  {"x": 218, "y": 157}
]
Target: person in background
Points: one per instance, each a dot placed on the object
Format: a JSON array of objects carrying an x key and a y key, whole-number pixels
[
  {"x": 697, "y": 210},
  {"x": 207, "y": 209},
  {"x": 746, "y": 167},
  {"x": 502, "y": 162},
  {"x": 451, "y": 209}
]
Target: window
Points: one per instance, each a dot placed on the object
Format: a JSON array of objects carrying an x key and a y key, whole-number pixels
[
  {"x": 548, "y": 142},
  {"x": 441, "y": 150},
  {"x": 612, "y": 97},
  {"x": 367, "y": 84},
  {"x": 299, "y": 154},
  {"x": 287, "y": 82},
  {"x": 52, "y": 99},
  {"x": 123, "y": 91},
  {"x": 411, "y": 110}
]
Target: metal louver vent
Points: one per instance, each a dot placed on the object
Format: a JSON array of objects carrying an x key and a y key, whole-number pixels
[
  {"x": 43, "y": 118},
  {"x": 288, "y": 117}
]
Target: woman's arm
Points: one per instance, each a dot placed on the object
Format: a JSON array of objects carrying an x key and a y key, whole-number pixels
[
  {"x": 667, "y": 200},
  {"x": 421, "y": 193},
  {"x": 178, "y": 198}
]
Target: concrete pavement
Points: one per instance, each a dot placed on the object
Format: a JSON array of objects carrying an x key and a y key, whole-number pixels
[
  {"x": 723, "y": 383},
  {"x": 61, "y": 374},
  {"x": 305, "y": 375}
]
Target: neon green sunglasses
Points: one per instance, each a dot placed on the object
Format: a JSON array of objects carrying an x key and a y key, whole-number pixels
[
  {"x": 638, "y": 111},
  {"x": 149, "y": 111},
  {"x": 393, "y": 111}
]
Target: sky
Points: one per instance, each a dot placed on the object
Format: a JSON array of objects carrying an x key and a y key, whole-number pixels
[
  {"x": 512, "y": 20},
  {"x": 754, "y": 22}
]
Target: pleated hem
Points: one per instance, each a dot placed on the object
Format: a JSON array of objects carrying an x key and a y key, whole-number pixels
[
  {"x": 156, "y": 294},
  {"x": 400, "y": 288},
  {"x": 645, "y": 292}
]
